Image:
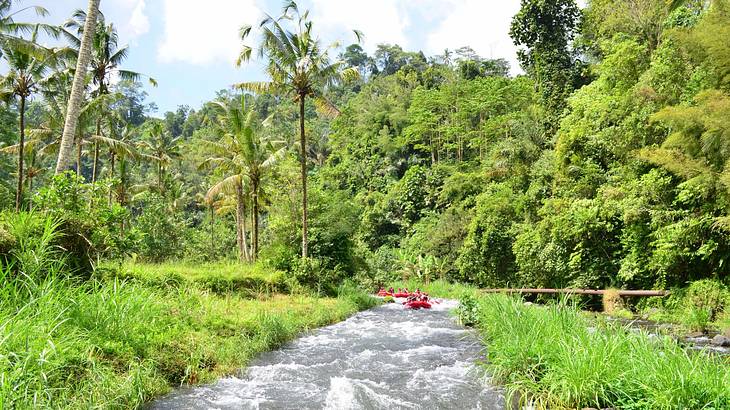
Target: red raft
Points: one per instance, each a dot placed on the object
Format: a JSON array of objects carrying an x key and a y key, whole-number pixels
[{"x": 418, "y": 304}]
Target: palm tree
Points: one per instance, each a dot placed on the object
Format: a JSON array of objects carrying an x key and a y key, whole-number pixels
[
  {"x": 27, "y": 72},
  {"x": 9, "y": 28},
  {"x": 77, "y": 88},
  {"x": 106, "y": 56},
  {"x": 297, "y": 66},
  {"x": 161, "y": 149},
  {"x": 245, "y": 152},
  {"x": 122, "y": 147}
]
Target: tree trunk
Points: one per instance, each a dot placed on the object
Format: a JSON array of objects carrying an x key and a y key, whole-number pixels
[
  {"x": 122, "y": 193},
  {"x": 112, "y": 159},
  {"x": 212, "y": 232},
  {"x": 255, "y": 252},
  {"x": 77, "y": 88},
  {"x": 159, "y": 177},
  {"x": 241, "y": 224},
  {"x": 30, "y": 180},
  {"x": 96, "y": 162},
  {"x": 303, "y": 143},
  {"x": 96, "y": 152},
  {"x": 78, "y": 157},
  {"x": 21, "y": 147},
  {"x": 250, "y": 249}
]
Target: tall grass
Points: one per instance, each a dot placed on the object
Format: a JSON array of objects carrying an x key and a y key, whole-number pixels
[
  {"x": 552, "y": 357},
  {"x": 219, "y": 277},
  {"x": 118, "y": 342}
]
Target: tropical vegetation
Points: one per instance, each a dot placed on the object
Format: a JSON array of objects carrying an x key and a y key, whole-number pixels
[{"x": 132, "y": 240}]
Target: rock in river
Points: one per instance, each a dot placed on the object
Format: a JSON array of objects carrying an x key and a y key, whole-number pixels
[{"x": 721, "y": 340}]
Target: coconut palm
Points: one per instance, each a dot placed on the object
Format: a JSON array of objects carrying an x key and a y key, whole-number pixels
[
  {"x": 27, "y": 72},
  {"x": 77, "y": 89},
  {"x": 247, "y": 153},
  {"x": 106, "y": 57},
  {"x": 11, "y": 29},
  {"x": 298, "y": 66},
  {"x": 161, "y": 148}
]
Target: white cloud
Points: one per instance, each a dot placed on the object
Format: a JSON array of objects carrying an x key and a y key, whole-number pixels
[
  {"x": 131, "y": 17},
  {"x": 139, "y": 23},
  {"x": 381, "y": 21},
  {"x": 482, "y": 25},
  {"x": 204, "y": 32}
]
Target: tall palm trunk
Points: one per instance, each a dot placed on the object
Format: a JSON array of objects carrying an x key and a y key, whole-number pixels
[
  {"x": 159, "y": 177},
  {"x": 112, "y": 159},
  {"x": 30, "y": 179},
  {"x": 77, "y": 88},
  {"x": 96, "y": 151},
  {"x": 123, "y": 180},
  {"x": 241, "y": 223},
  {"x": 255, "y": 188},
  {"x": 212, "y": 232},
  {"x": 303, "y": 144},
  {"x": 78, "y": 156},
  {"x": 253, "y": 223},
  {"x": 21, "y": 147}
]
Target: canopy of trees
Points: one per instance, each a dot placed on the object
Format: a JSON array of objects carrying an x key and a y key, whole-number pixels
[{"x": 604, "y": 164}]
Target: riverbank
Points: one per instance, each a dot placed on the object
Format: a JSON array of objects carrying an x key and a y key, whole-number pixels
[
  {"x": 555, "y": 356},
  {"x": 127, "y": 336}
]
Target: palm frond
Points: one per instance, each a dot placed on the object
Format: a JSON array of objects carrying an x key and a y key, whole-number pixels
[
  {"x": 227, "y": 185},
  {"x": 257, "y": 87}
]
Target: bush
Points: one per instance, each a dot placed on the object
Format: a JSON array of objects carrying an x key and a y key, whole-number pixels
[
  {"x": 703, "y": 302},
  {"x": 333, "y": 221},
  {"x": 707, "y": 294},
  {"x": 486, "y": 258},
  {"x": 317, "y": 275},
  {"x": 161, "y": 230},
  {"x": 468, "y": 310},
  {"x": 91, "y": 227}
]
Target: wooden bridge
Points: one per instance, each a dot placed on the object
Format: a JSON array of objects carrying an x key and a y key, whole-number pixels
[{"x": 619, "y": 292}]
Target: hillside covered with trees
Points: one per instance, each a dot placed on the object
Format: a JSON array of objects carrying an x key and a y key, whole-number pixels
[{"x": 602, "y": 165}]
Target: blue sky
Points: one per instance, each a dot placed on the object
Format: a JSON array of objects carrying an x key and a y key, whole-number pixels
[{"x": 190, "y": 46}]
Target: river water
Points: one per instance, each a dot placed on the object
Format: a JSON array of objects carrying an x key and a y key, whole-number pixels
[{"x": 383, "y": 358}]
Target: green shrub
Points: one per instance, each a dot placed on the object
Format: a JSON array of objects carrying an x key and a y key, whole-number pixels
[
  {"x": 92, "y": 227},
  {"x": 468, "y": 310},
  {"x": 709, "y": 295},
  {"x": 161, "y": 231},
  {"x": 316, "y": 275},
  {"x": 486, "y": 257}
]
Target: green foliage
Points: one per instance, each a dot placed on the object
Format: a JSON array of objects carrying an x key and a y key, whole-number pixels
[
  {"x": 92, "y": 227},
  {"x": 119, "y": 343},
  {"x": 704, "y": 301},
  {"x": 161, "y": 232},
  {"x": 487, "y": 258},
  {"x": 468, "y": 310},
  {"x": 316, "y": 275},
  {"x": 551, "y": 355},
  {"x": 546, "y": 29}
]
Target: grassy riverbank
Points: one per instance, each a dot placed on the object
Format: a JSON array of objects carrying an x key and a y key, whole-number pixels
[
  {"x": 556, "y": 357},
  {"x": 119, "y": 340},
  {"x": 553, "y": 356}
]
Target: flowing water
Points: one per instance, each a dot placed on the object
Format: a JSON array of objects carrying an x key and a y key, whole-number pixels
[{"x": 384, "y": 358}]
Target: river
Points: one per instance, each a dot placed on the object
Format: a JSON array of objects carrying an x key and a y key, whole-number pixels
[{"x": 383, "y": 358}]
